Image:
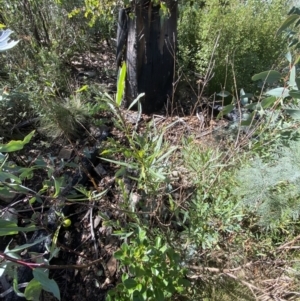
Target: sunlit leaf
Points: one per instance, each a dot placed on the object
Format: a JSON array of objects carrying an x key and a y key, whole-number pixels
[
  {"x": 15, "y": 145},
  {"x": 33, "y": 290},
  {"x": 10, "y": 228},
  {"x": 121, "y": 84}
]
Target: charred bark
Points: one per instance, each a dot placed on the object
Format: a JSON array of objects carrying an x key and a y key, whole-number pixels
[{"x": 149, "y": 53}]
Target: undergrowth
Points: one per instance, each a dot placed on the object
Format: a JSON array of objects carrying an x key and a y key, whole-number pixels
[{"x": 194, "y": 221}]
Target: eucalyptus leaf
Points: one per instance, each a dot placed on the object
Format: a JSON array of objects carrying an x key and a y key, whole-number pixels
[
  {"x": 288, "y": 21},
  {"x": 270, "y": 76},
  {"x": 279, "y": 92},
  {"x": 227, "y": 109}
]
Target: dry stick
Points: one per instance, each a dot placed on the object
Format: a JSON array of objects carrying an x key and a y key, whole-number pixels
[
  {"x": 238, "y": 104},
  {"x": 286, "y": 245},
  {"x": 33, "y": 265}
]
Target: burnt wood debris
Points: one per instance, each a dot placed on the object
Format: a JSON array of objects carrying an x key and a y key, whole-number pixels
[{"x": 146, "y": 41}]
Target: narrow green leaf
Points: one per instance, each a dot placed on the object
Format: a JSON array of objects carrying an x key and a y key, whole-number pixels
[
  {"x": 136, "y": 100},
  {"x": 15, "y": 284},
  {"x": 25, "y": 246},
  {"x": 288, "y": 21},
  {"x": 15, "y": 145},
  {"x": 6, "y": 176},
  {"x": 167, "y": 154},
  {"x": 48, "y": 285},
  {"x": 129, "y": 165},
  {"x": 158, "y": 242},
  {"x": 58, "y": 182},
  {"x": 10, "y": 228},
  {"x": 121, "y": 85}
]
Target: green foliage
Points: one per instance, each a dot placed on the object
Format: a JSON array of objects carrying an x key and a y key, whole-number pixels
[
  {"x": 154, "y": 270},
  {"x": 11, "y": 177},
  {"x": 246, "y": 45},
  {"x": 212, "y": 209},
  {"x": 271, "y": 189},
  {"x": 40, "y": 76}
]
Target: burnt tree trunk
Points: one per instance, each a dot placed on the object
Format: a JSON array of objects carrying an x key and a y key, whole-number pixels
[{"x": 149, "y": 40}]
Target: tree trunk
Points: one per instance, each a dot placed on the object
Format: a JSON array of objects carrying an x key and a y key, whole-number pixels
[{"x": 149, "y": 52}]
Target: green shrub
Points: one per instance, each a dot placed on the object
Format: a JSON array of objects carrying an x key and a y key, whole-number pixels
[
  {"x": 271, "y": 190},
  {"x": 153, "y": 269},
  {"x": 212, "y": 209},
  {"x": 247, "y": 42}
]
